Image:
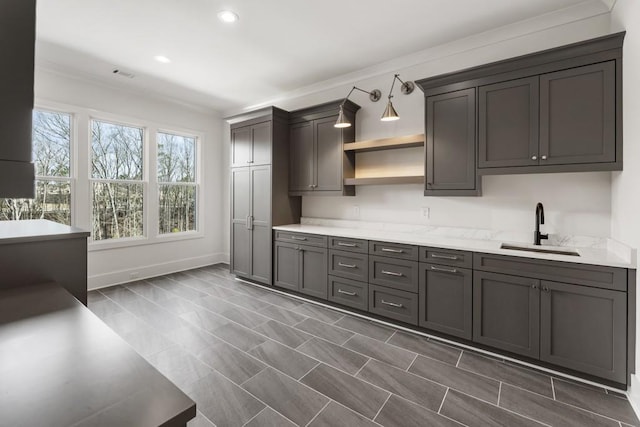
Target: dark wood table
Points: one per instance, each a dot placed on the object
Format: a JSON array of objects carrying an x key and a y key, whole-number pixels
[{"x": 62, "y": 366}]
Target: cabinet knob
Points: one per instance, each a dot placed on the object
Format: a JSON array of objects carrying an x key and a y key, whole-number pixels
[
  {"x": 534, "y": 286},
  {"x": 544, "y": 157},
  {"x": 534, "y": 157}
]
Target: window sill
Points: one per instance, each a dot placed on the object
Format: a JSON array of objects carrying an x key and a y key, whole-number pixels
[{"x": 130, "y": 242}]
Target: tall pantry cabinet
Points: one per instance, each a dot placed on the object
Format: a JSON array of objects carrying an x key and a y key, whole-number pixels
[{"x": 259, "y": 190}]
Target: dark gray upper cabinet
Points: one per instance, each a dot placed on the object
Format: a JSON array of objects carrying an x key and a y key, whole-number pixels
[
  {"x": 506, "y": 312},
  {"x": 445, "y": 299},
  {"x": 319, "y": 164},
  {"x": 584, "y": 329},
  {"x": 259, "y": 190},
  {"x": 450, "y": 164},
  {"x": 578, "y": 115},
  {"x": 558, "y": 110},
  {"x": 251, "y": 145},
  {"x": 508, "y": 124},
  {"x": 17, "y": 44}
]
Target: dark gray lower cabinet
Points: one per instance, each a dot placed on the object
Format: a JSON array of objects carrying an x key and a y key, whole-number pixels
[
  {"x": 584, "y": 329},
  {"x": 301, "y": 268},
  {"x": 349, "y": 292},
  {"x": 506, "y": 312},
  {"x": 394, "y": 304},
  {"x": 445, "y": 299}
]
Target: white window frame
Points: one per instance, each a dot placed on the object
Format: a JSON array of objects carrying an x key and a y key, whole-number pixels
[
  {"x": 123, "y": 241},
  {"x": 197, "y": 233}
]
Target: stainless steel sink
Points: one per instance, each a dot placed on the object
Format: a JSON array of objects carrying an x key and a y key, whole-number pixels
[{"x": 570, "y": 252}]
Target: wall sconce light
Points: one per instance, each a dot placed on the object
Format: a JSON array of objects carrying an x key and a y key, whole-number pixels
[
  {"x": 342, "y": 121},
  {"x": 390, "y": 114}
]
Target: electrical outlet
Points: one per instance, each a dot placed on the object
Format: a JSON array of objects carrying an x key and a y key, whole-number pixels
[
  {"x": 356, "y": 211},
  {"x": 425, "y": 212}
]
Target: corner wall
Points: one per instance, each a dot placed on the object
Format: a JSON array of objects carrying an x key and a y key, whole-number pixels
[
  {"x": 625, "y": 196},
  {"x": 111, "y": 266}
]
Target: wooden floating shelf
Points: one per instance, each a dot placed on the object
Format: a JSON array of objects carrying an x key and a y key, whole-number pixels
[
  {"x": 386, "y": 143},
  {"x": 385, "y": 180}
]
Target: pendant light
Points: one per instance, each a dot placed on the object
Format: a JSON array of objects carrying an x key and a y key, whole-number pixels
[
  {"x": 342, "y": 121},
  {"x": 390, "y": 114}
]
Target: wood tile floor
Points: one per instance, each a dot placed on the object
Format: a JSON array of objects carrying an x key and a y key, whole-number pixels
[{"x": 252, "y": 357}]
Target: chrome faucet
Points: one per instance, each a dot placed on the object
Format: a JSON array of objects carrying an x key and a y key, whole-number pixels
[{"x": 537, "y": 236}]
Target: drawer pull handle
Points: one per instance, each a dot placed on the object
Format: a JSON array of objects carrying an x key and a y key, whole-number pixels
[
  {"x": 391, "y": 273},
  {"x": 298, "y": 238},
  {"x": 445, "y": 270},
  {"x": 395, "y": 251},
  {"x": 351, "y": 294},
  {"x": 451, "y": 257},
  {"x": 348, "y": 245},
  {"x": 347, "y": 265},
  {"x": 392, "y": 304}
]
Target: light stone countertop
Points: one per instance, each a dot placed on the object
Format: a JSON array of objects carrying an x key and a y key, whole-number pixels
[
  {"x": 611, "y": 254},
  {"x": 36, "y": 230}
]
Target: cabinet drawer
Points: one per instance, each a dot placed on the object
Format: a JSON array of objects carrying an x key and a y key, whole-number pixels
[
  {"x": 349, "y": 292},
  {"x": 555, "y": 271},
  {"x": 394, "y": 250},
  {"x": 302, "y": 238},
  {"x": 351, "y": 245},
  {"x": 349, "y": 265},
  {"x": 394, "y": 273},
  {"x": 394, "y": 304},
  {"x": 446, "y": 257}
]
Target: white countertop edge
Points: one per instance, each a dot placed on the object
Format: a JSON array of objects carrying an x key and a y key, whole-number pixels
[{"x": 608, "y": 257}]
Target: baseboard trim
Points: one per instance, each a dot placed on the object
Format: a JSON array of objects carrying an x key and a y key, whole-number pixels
[
  {"x": 633, "y": 394},
  {"x": 112, "y": 278}
]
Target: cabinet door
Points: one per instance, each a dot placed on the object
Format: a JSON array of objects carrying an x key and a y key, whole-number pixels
[
  {"x": 301, "y": 173},
  {"x": 584, "y": 329},
  {"x": 287, "y": 265},
  {"x": 577, "y": 115},
  {"x": 261, "y": 144},
  {"x": 241, "y": 146},
  {"x": 445, "y": 296},
  {"x": 451, "y": 142},
  {"x": 508, "y": 124},
  {"x": 329, "y": 153},
  {"x": 313, "y": 278},
  {"x": 506, "y": 312},
  {"x": 260, "y": 223},
  {"x": 240, "y": 212}
]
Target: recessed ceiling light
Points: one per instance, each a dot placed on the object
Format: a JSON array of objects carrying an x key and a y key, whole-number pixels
[
  {"x": 161, "y": 58},
  {"x": 228, "y": 16}
]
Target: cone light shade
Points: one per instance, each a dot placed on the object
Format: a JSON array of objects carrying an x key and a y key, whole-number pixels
[
  {"x": 390, "y": 113},
  {"x": 342, "y": 121}
]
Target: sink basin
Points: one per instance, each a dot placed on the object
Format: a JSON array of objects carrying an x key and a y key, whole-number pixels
[{"x": 540, "y": 250}]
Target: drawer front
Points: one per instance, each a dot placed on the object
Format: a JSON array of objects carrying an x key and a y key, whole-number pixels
[
  {"x": 349, "y": 292},
  {"x": 302, "y": 238},
  {"x": 394, "y": 250},
  {"x": 351, "y": 245},
  {"x": 394, "y": 304},
  {"x": 394, "y": 273},
  {"x": 349, "y": 265},
  {"x": 555, "y": 271},
  {"x": 446, "y": 257}
]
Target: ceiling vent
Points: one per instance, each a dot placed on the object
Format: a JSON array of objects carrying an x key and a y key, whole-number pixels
[{"x": 123, "y": 73}]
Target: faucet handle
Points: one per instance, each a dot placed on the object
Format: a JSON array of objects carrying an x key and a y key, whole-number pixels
[{"x": 544, "y": 236}]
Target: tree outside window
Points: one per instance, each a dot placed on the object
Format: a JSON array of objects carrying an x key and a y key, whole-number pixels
[
  {"x": 117, "y": 181},
  {"x": 51, "y": 156},
  {"x": 177, "y": 189}
]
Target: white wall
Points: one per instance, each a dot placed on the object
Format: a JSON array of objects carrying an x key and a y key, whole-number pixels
[
  {"x": 84, "y": 97},
  {"x": 625, "y": 206},
  {"x": 574, "y": 203}
]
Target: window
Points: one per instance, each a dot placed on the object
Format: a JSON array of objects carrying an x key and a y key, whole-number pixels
[
  {"x": 51, "y": 156},
  {"x": 177, "y": 189},
  {"x": 117, "y": 181}
]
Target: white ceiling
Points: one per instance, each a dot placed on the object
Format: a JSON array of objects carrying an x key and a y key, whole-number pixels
[{"x": 277, "y": 46}]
